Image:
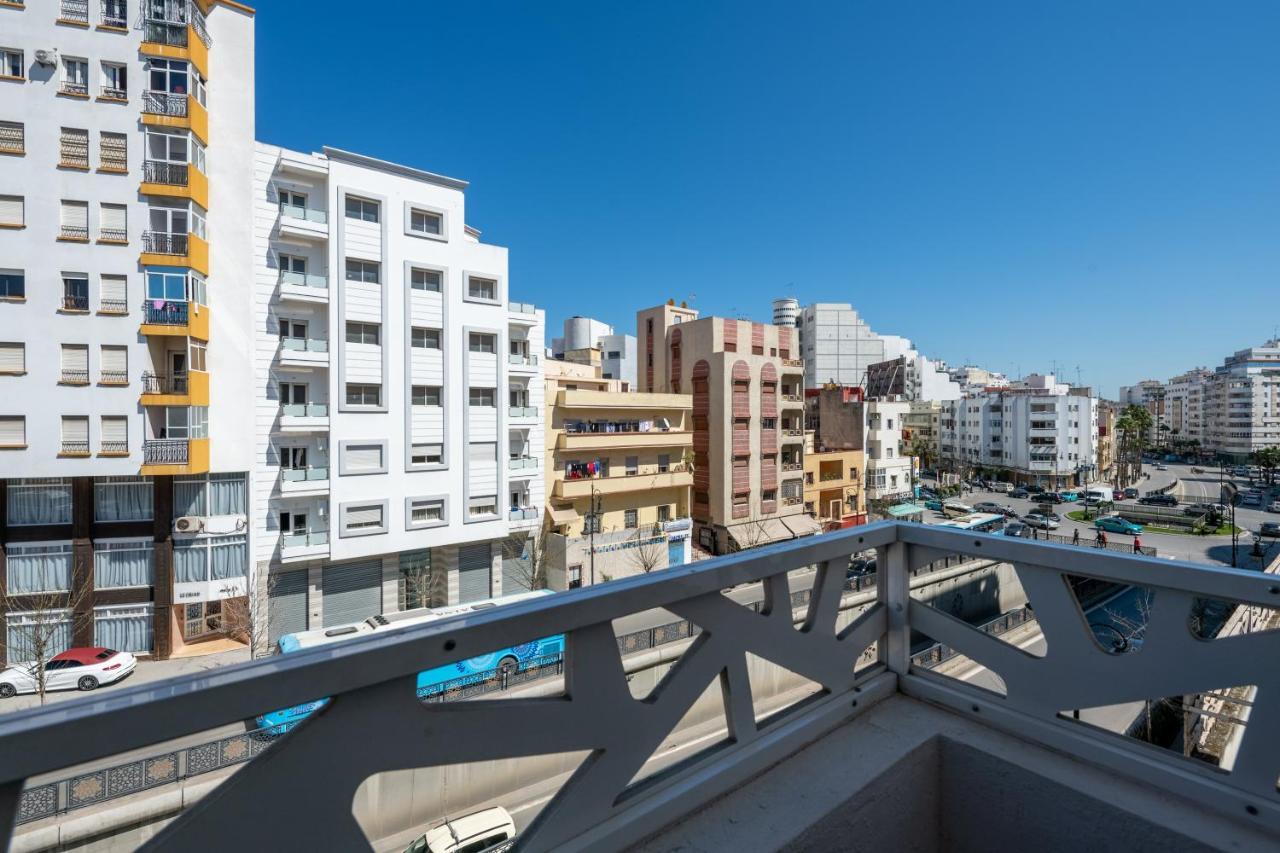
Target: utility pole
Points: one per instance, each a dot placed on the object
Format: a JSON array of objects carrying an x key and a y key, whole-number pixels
[{"x": 594, "y": 515}]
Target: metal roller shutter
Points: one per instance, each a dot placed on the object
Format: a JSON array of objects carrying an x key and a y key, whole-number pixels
[
  {"x": 11, "y": 210},
  {"x": 474, "y": 567},
  {"x": 352, "y": 592},
  {"x": 74, "y": 214},
  {"x": 13, "y": 358},
  {"x": 286, "y": 604}
]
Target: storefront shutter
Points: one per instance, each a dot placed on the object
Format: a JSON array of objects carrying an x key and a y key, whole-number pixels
[
  {"x": 352, "y": 592},
  {"x": 287, "y": 604},
  {"x": 474, "y": 568}
]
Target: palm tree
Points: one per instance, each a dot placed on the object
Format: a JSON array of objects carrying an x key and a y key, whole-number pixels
[{"x": 1133, "y": 425}]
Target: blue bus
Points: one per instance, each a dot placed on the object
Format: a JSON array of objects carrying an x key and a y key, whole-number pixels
[{"x": 432, "y": 682}]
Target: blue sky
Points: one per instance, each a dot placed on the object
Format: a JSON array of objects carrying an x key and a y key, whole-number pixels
[{"x": 1092, "y": 184}]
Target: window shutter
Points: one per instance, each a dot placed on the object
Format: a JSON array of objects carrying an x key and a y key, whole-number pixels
[
  {"x": 75, "y": 430},
  {"x": 13, "y": 431},
  {"x": 113, "y": 150},
  {"x": 12, "y": 136},
  {"x": 115, "y": 360},
  {"x": 75, "y": 358},
  {"x": 115, "y": 429},
  {"x": 363, "y": 515},
  {"x": 13, "y": 358},
  {"x": 11, "y": 210},
  {"x": 363, "y": 457},
  {"x": 75, "y": 214},
  {"x": 112, "y": 217},
  {"x": 75, "y": 147},
  {"x": 114, "y": 288}
]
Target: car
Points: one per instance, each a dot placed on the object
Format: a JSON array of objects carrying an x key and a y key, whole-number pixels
[
  {"x": 1070, "y": 496},
  {"x": 1118, "y": 494},
  {"x": 1047, "y": 512},
  {"x": 1195, "y": 470},
  {"x": 1131, "y": 492},
  {"x": 1251, "y": 499},
  {"x": 859, "y": 566},
  {"x": 1046, "y": 498},
  {"x": 1162, "y": 467},
  {"x": 998, "y": 509},
  {"x": 1116, "y": 524},
  {"x": 1017, "y": 529},
  {"x": 933, "y": 504},
  {"x": 478, "y": 831},
  {"x": 1035, "y": 519},
  {"x": 1274, "y": 506},
  {"x": 85, "y": 668},
  {"x": 1270, "y": 528},
  {"x": 1019, "y": 493},
  {"x": 1158, "y": 500}
]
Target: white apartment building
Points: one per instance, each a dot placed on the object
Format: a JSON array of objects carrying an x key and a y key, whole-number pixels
[
  {"x": 838, "y": 346},
  {"x": 912, "y": 377},
  {"x": 1184, "y": 405},
  {"x": 1037, "y": 433},
  {"x": 889, "y": 473},
  {"x": 617, "y": 351},
  {"x": 971, "y": 378},
  {"x": 399, "y": 393},
  {"x": 126, "y": 139},
  {"x": 1241, "y": 403}
]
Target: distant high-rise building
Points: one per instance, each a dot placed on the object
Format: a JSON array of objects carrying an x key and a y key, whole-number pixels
[
  {"x": 1241, "y": 403},
  {"x": 786, "y": 311},
  {"x": 838, "y": 346},
  {"x": 617, "y": 351}
]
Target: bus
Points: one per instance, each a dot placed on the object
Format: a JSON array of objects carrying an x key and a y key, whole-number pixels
[
  {"x": 978, "y": 522},
  {"x": 432, "y": 682}
]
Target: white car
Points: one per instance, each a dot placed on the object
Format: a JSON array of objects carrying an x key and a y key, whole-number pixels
[
  {"x": 474, "y": 832},
  {"x": 1274, "y": 506},
  {"x": 74, "y": 669}
]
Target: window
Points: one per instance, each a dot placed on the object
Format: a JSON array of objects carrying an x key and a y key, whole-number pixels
[
  {"x": 293, "y": 522},
  {"x": 113, "y": 223},
  {"x": 167, "y": 75},
  {"x": 74, "y": 221},
  {"x": 12, "y": 137},
  {"x": 13, "y": 358},
  {"x": 426, "y": 454},
  {"x": 113, "y": 365},
  {"x": 426, "y": 395},
  {"x": 75, "y": 291},
  {"x": 664, "y": 513},
  {"x": 482, "y": 506},
  {"x": 363, "y": 517},
  {"x": 632, "y": 465},
  {"x": 293, "y": 458},
  {"x": 294, "y": 264},
  {"x": 481, "y": 397},
  {"x": 426, "y": 222},
  {"x": 12, "y": 211},
  {"x": 664, "y": 463},
  {"x": 630, "y": 519},
  {"x": 166, "y": 285},
  {"x": 363, "y": 458},
  {"x": 114, "y": 435},
  {"x": 426, "y": 338},
  {"x": 426, "y": 511},
  {"x": 113, "y": 152},
  {"x": 123, "y": 499},
  {"x": 75, "y": 364},
  {"x": 13, "y": 432},
  {"x": 362, "y": 209},
  {"x": 75, "y": 435},
  {"x": 115, "y": 81},
  {"x": 113, "y": 294},
  {"x": 115, "y": 14},
  {"x": 291, "y": 198},
  {"x": 73, "y": 148},
  {"x": 482, "y": 288},
  {"x": 478, "y": 342},
  {"x": 12, "y": 63},
  {"x": 768, "y": 495},
  {"x": 75, "y": 76},
  {"x": 38, "y": 568},
  {"x": 768, "y": 423},
  {"x": 428, "y": 280},
  {"x": 362, "y": 333},
  {"x": 363, "y": 395},
  {"x": 365, "y": 271},
  {"x": 575, "y": 576},
  {"x": 218, "y": 558}
]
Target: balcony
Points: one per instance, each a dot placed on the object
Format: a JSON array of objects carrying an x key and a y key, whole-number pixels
[
  {"x": 303, "y": 287},
  {"x": 618, "y": 440},
  {"x": 796, "y": 465},
  {"x": 165, "y": 451},
  {"x": 167, "y": 104},
  {"x": 304, "y": 417},
  {"x": 616, "y": 484},
  {"x": 972, "y": 739},
  {"x": 526, "y": 513},
  {"x": 304, "y": 481},
  {"x": 164, "y": 243},
  {"x": 306, "y": 223},
  {"x": 304, "y": 546},
  {"x": 522, "y": 466},
  {"x": 522, "y": 363},
  {"x": 166, "y": 174},
  {"x": 522, "y": 413},
  {"x": 304, "y": 352}
]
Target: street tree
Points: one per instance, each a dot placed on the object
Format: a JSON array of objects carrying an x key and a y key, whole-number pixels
[
  {"x": 649, "y": 549},
  {"x": 524, "y": 559},
  {"x": 1267, "y": 459},
  {"x": 1133, "y": 427}
]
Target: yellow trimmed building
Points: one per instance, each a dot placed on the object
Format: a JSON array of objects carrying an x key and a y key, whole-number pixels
[{"x": 833, "y": 486}]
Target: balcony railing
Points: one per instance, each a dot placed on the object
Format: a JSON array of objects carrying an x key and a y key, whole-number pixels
[
  {"x": 115, "y": 13},
  {"x": 74, "y": 377},
  {"x": 522, "y": 411},
  {"x": 304, "y": 279},
  {"x": 114, "y": 377},
  {"x": 112, "y": 93},
  {"x": 310, "y": 214},
  {"x": 520, "y": 463},
  {"x": 522, "y": 308},
  {"x": 855, "y": 658},
  {"x": 165, "y": 451},
  {"x": 158, "y": 312},
  {"x": 155, "y": 383},
  {"x": 304, "y": 410},
  {"x": 304, "y": 345},
  {"x": 309, "y": 539},
  {"x": 74, "y": 10},
  {"x": 164, "y": 243},
  {"x": 71, "y": 302},
  {"x": 74, "y": 448},
  {"x": 113, "y": 235},
  {"x": 302, "y": 475},
  {"x": 165, "y": 32},
  {"x": 165, "y": 103},
  {"x": 517, "y": 359},
  {"x": 160, "y": 172},
  {"x": 522, "y": 513},
  {"x": 114, "y": 448},
  {"x": 73, "y": 232}
]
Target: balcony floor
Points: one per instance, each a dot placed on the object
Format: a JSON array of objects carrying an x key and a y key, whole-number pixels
[{"x": 908, "y": 775}]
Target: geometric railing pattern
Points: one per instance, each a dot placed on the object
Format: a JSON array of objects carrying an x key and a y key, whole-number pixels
[{"x": 375, "y": 723}]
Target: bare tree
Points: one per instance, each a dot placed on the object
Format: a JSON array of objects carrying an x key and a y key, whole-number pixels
[
  {"x": 525, "y": 559},
  {"x": 47, "y": 627},
  {"x": 649, "y": 550},
  {"x": 751, "y": 533},
  {"x": 244, "y": 617}
]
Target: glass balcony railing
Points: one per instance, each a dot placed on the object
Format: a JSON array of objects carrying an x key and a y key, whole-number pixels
[
  {"x": 310, "y": 539},
  {"x": 304, "y": 410},
  {"x": 526, "y": 513},
  {"x": 304, "y": 279},
  {"x": 522, "y": 308},
  {"x": 522, "y": 360},
  {"x": 304, "y": 345},
  {"x": 522, "y": 411},
  {"x": 520, "y": 463},
  {"x": 303, "y": 475},
  {"x": 308, "y": 214}
]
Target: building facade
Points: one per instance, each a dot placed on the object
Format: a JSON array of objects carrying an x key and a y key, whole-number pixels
[
  {"x": 618, "y": 477},
  {"x": 1037, "y": 433},
  {"x": 910, "y": 376},
  {"x": 1184, "y": 406},
  {"x": 399, "y": 393},
  {"x": 617, "y": 351},
  {"x": 1108, "y": 412},
  {"x": 126, "y": 135},
  {"x": 748, "y": 410},
  {"x": 838, "y": 346},
  {"x": 922, "y": 432},
  {"x": 1241, "y": 403},
  {"x": 833, "y": 485}
]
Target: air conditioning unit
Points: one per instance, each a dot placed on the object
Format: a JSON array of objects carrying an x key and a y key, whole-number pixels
[
  {"x": 47, "y": 57},
  {"x": 189, "y": 524}
]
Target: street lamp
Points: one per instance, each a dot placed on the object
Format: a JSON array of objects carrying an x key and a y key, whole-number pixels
[{"x": 596, "y": 510}]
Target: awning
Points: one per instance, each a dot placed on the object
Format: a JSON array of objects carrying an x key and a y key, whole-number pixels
[
  {"x": 568, "y": 515},
  {"x": 753, "y": 534},
  {"x": 904, "y": 510},
  {"x": 802, "y": 525}
]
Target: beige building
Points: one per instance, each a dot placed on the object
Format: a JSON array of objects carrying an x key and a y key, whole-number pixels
[
  {"x": 748, "y": 415},
  {"x": 618, "y": 477},
  {"x": 921, "y": 429},
  {"x": 833, "y": 485},
  {"x": 1107, "y": 414}
]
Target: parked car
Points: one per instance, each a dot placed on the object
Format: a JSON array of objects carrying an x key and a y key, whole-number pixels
[
  {"x": 1274, "y": 506},
  {"x": 859, "y": 566},
  {"x": 1116, "y": 524},
  {"x": 1162, "y": 467},
  {"x": 1118, "y": 494},
  {"x": 1047, "y": 511},
  {"x": 933, "y": 504},
  {"x": 474, "y": 832},
  {"x": 1158, "y": 500},
  {"x": 1195, "y": 470},
  {"x": 1035, "y": 519},
  {"x": 1019, "y": 493},
  {"x": 1017, "y": 529},
  {"x": 1070, "y": 496},
  {"x": 1251, "y": 499},
  {"x": 1270, "y": 528},
  {"x": 1003, "y": 488},
  {"x": 1131, "y": 492},
  {"x": 75, "y": 669},
  {"x": 1046, "y": 498},
  {"x": 998, "y": 509}
]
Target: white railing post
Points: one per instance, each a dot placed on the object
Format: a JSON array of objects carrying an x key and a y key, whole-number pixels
[{"x": 893, "y": 590}]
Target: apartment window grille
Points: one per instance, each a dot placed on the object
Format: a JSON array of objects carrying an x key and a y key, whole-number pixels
[
  {"x": 113, "y": 365},
  {"x": 75, "y": 11},
  {"x": 115, "y": 81},
  {"x": 113, "y": 152},
  {"x": 114, "y": 434},
  {"x": 75, "y": 76},
  {"x": 73, "y": 148},
  {"x": 75, "y": 435},
  {"x": 75, "y": 364},
  {"x": 115, "y": 14},
  {"x": 75, "y": 292},
  {"x": 630, "y": 519}
]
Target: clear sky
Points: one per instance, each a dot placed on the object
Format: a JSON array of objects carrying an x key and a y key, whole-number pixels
[{"x": 1093, "y": 184}]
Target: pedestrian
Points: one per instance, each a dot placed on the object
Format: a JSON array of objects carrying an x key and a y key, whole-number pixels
[
  {"x": 1102, "y": 537},
  {"x": 1137, "y": 544},
  {"x": 1075, "y": 536}
]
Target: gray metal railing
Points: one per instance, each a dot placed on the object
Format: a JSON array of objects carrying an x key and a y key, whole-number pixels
[
  {"x": 73, "y": 302},
  {"x": 165, "y": 243},
  {"x": 74, "y": 448},
  {"x": 74, "y": 377},
  {"x": 158, "y": 312},
  {"x": 165, "y": 103},
  {"x": 855, "y": 663},
  {"x": 168, "y": 33},
  {"x": 165, "y": 451},
  {"x": 157, "y": 383},
  {"x": 170, "y": 174}
]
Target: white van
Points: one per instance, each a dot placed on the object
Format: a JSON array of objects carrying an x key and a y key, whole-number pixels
[
  {"x": 467, "y": 834},
  {"x": 1002, "y": 488},
  {"x": 1096, "y": 495}
]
